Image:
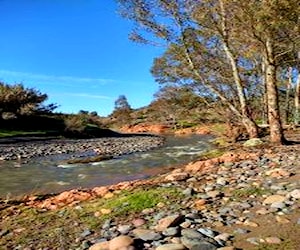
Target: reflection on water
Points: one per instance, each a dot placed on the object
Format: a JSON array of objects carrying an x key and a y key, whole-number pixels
[{"x": 45, "y": 175}]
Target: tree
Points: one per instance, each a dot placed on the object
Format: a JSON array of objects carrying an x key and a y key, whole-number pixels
[
  {"x": 121, "y": 103},
  {"x": 296, "y": 99},
  {"x": 122, "y": 110},
  {"x": 271, "y": 29},
  {"x": 18, "y": 100},
  {"x": 198, "y": 48},
  {"x": 221, "y": 46},
  {"x": 179, "y": 105}
]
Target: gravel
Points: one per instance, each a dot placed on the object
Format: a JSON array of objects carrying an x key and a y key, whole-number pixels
[{"x": 113, "y": 146}]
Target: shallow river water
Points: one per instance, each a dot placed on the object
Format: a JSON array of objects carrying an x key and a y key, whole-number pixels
[{"x": 48, "y": 175}]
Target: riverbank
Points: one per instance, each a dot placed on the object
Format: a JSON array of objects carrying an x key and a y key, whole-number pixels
[
  {"x": 58, "y": 173},
  {"x": 248, "y": 198}
]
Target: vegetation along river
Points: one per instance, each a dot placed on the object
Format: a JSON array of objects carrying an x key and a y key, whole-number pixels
[{"x": 47, "y": 175}]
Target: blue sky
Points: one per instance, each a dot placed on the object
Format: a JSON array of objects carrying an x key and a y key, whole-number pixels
[{"x": 76, "y": 51}]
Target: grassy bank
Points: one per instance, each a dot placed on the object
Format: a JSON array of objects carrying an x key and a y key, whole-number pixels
[{"x": 38, "y": 228}]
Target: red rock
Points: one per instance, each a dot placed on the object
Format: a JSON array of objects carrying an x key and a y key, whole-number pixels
[
  {"x": 177, "y": 177},
  {"x": 229, "y": 157},
  {"x": 210, "y": 163},
  {"x": 141, "y": 128},
  {"x": 199, "y": 204},
  {"x": 169, "y": 221},
  {"x": 278, "y": 173},
  {"x": 63, "y": 196},
  {"x": 138, "y": 222},
  {"x": 100, "y": 191},
  {"x": 194, "y": 167}
]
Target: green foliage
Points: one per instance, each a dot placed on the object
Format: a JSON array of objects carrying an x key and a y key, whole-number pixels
[
  {"x": 246, "y": 192},
  {"x": 75, "y": 123},
  {"x": 84, "y": 124},
  {"x": 180, "y": 106},
  {"x": 218, "y": 129},
  {"x": 220, "y": 142},
  {"x": 286, "y": 245},
  {"x": 219, "y": 48},
  {"x": 122, "y": 111},
  {"x": 186, "y": 124},
  {"x": 121, "y": 103},
  {"x": 214, "y": 153},
  {"x": 60, "y": 228},
  {"x": 134, "y": 202},
  {"x": 18, "y": 100},
  {"x": 127, "y": 203},
  {"x": 9, "y": 133}
]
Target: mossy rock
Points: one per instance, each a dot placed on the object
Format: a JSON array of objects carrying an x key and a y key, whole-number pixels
[{"x": 253, "y": 142}]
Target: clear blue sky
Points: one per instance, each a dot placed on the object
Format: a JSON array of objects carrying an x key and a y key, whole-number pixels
[{"x": 76, "y": 51}]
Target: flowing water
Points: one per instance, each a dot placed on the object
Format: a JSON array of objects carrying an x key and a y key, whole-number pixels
[{"x": 48, "y": 175}]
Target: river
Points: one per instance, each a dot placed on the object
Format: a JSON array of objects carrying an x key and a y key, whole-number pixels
[{"x": 46, "y": 174}]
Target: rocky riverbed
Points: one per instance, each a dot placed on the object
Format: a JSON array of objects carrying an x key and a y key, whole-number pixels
[
  {"x": 112, "y": 146},
  {"x": 246, "y": 199}
]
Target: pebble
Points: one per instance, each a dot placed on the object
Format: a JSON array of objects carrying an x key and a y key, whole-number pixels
[
  {"x": 250, "y": 223},
  {"x": 213, "y": 193},
  {"x": 241, "y": 231},
  {"x": 105, "y": 211},
  {"x": 207, "y": 232},
  {"x": 113, "y": 146},
  {"x": 273, "y": 240},
  {"x": 262, "y": 211},
  {"x": 274, "y": 198},
  {"x": 208, "y": 199},
  {"x": 100, "y": 246},
  {"x": 171, "y": 231},
  {"x": 223, "y": 237},
  {"x": 282, "y": 220},
  {"x": 253, "y": 240},
  {"x": 146, "y": 234},
  {"x": 226, "y": 248},
  {"x": 85, "y": 233},
  {"x": 278, "y": 205},
  {"x": 120, "y": 242},
  {"x": 295, "y": 194},
  {"x": 124, "y": 229},
  {"x": 169, "y": 221},
  {"x": 138, "y": 222},
  {"x": 188, "y": 192},
  {"x": 171, "y": 247},
  {"x": 195, "y": 243}
]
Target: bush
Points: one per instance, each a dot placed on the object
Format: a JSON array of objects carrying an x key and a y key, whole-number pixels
[{"x": 74, "y": 124}]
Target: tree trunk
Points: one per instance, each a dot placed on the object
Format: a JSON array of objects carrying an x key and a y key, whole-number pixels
[
  {"x": 251, "y": 127},
  {"x": 287, "y": 96},
  {"x": 297, "y": 97},
  {"x": 264, "y": 106},
  {"x": 247, "y": 120},
  {"x": 276, "y": 130}
]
